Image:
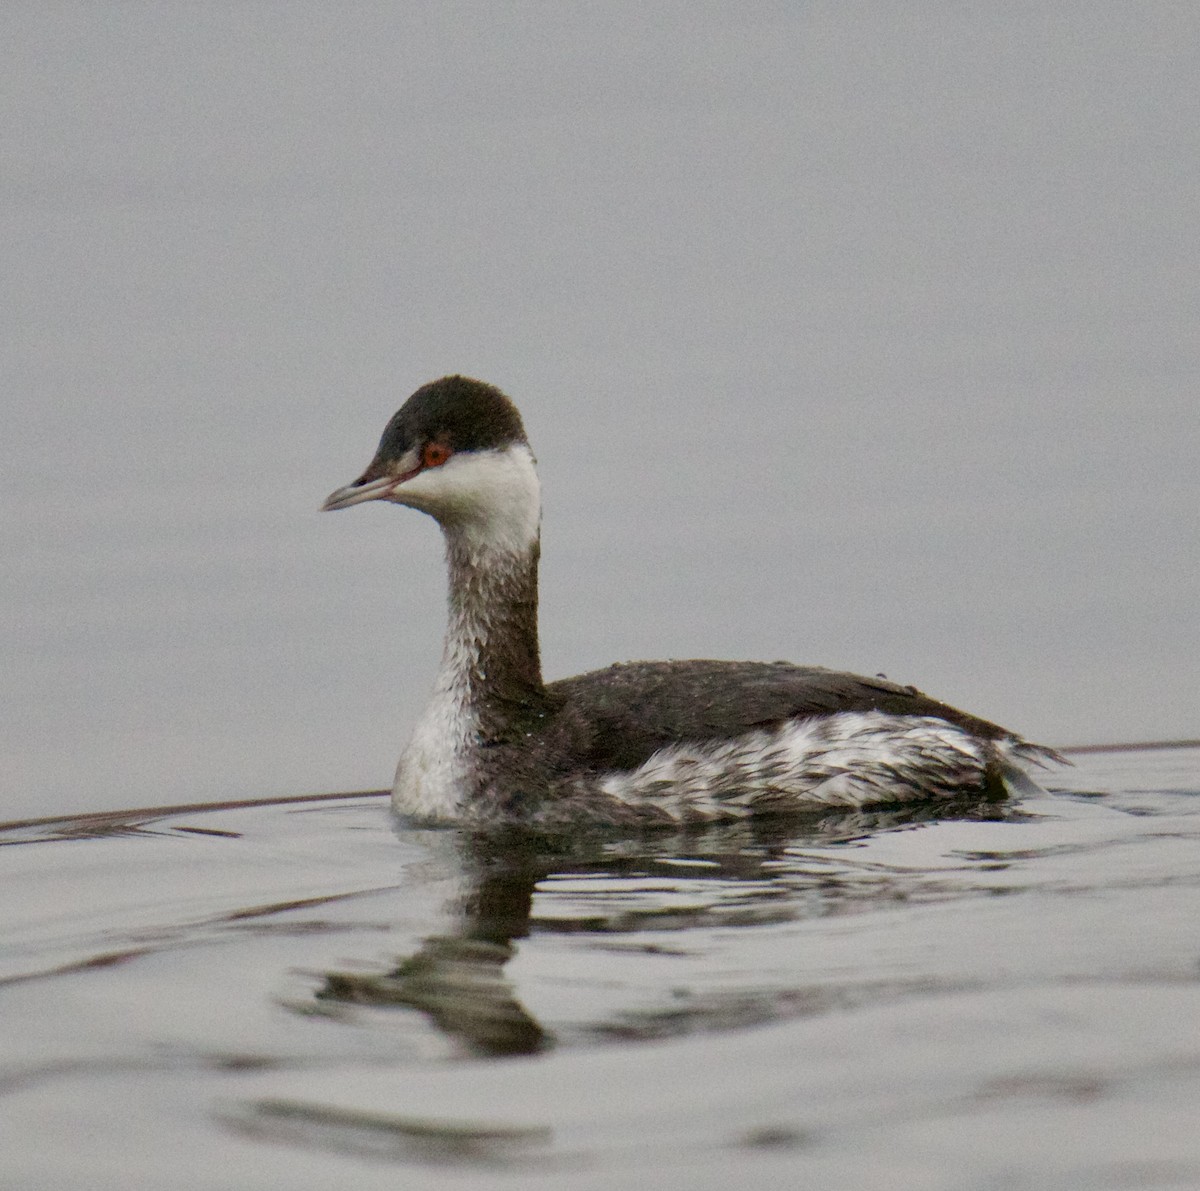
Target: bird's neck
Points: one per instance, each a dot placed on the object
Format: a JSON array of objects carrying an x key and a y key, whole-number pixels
[{"x": 491, "y": 661}]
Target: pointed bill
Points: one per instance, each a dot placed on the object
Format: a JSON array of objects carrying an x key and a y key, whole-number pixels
[{"x": 356, "y": 493}]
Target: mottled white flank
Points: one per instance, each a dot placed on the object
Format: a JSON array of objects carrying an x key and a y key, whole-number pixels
[
  {"x": 489, "y": 500},
  {"x": 843, "y": 759},
  {"x": 489, "y": 506}
]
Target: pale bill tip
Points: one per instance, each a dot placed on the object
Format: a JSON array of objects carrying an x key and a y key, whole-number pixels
[{"x": 354, "y": 494}]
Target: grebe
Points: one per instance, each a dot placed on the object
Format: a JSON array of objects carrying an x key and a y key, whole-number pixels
[{"x": 638, "y": 743}]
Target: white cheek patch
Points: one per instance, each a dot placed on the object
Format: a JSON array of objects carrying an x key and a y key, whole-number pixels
[{"x": 490, "y": 499}]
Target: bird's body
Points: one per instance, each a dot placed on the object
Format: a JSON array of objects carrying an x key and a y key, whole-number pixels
[{"x": 640, "y": 743}]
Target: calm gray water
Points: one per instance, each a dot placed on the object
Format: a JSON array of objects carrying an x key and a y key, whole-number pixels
[
  {"x": 857, "y": 334},
  {"x": 306, "y": 995}
]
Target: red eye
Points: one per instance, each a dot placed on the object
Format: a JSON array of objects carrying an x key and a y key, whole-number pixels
[{"x": 435, "y": 454}]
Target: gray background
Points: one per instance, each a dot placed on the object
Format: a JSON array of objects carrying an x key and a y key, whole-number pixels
[{"x": 862, "y": 334}]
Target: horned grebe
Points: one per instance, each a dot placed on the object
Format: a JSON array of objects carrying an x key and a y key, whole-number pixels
[{"x": 643, "y": 742}]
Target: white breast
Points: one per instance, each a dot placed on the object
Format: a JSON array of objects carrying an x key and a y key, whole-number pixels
[{"x": 431, "y": 775}]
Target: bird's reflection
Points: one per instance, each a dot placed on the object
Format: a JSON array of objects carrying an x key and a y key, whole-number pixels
[{"x": 458, "y": 980}]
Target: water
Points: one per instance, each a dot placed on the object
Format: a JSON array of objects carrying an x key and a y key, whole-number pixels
[{"x": 303, "y": 994}]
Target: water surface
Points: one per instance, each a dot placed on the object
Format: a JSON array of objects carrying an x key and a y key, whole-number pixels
[{"x": 305, "y": 994}]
